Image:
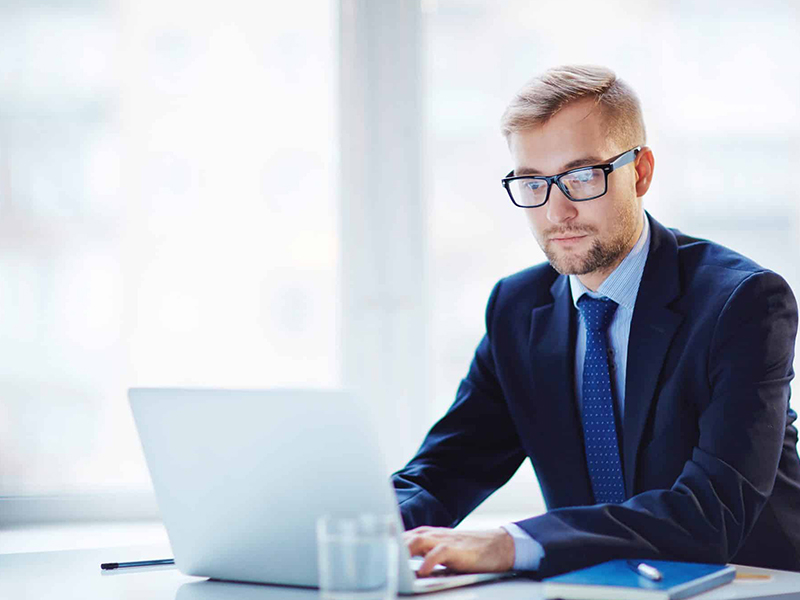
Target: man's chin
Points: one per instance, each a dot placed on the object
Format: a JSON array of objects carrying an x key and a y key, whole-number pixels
[
  {"x": 594, "y": 261},
  {"x": 567, "y": 265},
  {"x": 568, "y": 271}
]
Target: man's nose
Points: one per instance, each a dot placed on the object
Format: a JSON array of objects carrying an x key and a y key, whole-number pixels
[{"x": 560, "y": 208}]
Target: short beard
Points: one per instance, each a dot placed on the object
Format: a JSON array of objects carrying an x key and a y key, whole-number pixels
[{"x": 599, "y": 258}]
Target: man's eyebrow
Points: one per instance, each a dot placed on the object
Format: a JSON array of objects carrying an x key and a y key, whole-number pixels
[{"x": 574, "y": 164}]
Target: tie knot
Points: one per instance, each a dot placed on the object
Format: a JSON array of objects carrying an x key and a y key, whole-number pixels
[{"x": 597, "y": 312}]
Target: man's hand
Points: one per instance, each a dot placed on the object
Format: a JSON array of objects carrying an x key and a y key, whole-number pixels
[{"x": 463, "y": 551}]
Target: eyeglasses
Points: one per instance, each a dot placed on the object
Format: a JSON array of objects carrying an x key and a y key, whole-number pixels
[{"x": 579, "y": 185}]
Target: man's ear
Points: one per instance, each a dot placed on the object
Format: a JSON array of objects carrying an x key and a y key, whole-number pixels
[{"x": 644, "y": 165}]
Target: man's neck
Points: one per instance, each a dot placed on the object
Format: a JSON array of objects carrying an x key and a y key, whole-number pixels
[{"x": 592, "y": 281}]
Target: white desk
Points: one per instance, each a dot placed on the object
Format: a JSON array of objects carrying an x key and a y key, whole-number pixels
[{"x": 76, "y": 574}]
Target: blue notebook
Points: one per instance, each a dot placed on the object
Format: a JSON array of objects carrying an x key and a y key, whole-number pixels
[{"x": 619, "y": 580}]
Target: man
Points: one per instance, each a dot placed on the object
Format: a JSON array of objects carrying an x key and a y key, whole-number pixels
[{"x": 644, "y": 373}]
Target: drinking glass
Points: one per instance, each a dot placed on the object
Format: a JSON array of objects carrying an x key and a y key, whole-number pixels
[{"x": 357, "y": 556}]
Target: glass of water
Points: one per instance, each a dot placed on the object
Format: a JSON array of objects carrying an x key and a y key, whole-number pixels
[{"x": 357, "y": 556}]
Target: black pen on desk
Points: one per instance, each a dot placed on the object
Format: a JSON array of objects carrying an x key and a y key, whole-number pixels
[
  {"x": 137, "y": 563},
  {"x": 645, "y": 570}
]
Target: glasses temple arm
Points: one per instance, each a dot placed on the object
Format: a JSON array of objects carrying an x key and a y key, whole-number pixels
[{"x": 625, "y": 158}]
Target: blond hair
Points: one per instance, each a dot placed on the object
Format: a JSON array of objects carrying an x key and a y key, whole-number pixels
[{"x": 543, "y": 96}]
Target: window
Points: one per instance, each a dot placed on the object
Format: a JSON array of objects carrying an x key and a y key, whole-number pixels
[{"x": 167, "y": 217}]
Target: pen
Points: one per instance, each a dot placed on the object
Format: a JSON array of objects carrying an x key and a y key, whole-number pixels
[
  {"x": 138, "y": 563},
  {"x": 645, "y": 570}
]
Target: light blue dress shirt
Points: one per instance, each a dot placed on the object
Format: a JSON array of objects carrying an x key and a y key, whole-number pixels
[{"x": 622, "y": 286}]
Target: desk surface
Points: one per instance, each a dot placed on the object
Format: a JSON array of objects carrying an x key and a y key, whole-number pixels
[{"x": 69, "y": 574}]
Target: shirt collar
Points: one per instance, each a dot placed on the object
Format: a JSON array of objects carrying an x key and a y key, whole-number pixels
[{"x": 622, "y": 285}]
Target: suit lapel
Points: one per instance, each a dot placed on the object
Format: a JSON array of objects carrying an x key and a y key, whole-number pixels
[
  {"x": 652, "y": 329},
  {"x": 552, "y": 343}
]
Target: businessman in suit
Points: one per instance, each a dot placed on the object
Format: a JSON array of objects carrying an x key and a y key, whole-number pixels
[{"x": 644, "y": 373}]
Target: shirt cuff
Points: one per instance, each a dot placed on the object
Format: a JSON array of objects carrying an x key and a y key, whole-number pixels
[{"x": 528, "y": 553}]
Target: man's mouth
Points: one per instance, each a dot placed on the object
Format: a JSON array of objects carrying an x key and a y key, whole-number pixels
[{"x": 567, "y": 238}]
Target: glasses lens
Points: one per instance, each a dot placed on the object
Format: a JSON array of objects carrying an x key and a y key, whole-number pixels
[
  {"x": 584, "y": 184},
  {"x": 528, "y": 191}
]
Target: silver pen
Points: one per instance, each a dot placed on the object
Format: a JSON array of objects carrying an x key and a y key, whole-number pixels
[{"x": 645, "y": 570}]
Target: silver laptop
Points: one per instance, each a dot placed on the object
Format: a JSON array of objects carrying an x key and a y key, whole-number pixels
[{"x": 241, "y": 476}]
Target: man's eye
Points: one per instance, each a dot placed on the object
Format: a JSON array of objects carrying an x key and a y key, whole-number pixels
[{"x": 583, "y": 176}]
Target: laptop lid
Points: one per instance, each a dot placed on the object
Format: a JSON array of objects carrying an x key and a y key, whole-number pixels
[{"x": 241, "y": 476}]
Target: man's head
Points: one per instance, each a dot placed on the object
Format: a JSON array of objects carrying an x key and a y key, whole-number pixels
[{"x": 572, "y": 117}]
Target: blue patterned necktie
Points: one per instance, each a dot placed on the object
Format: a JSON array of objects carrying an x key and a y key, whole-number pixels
[{"x": 599, "y": 430}]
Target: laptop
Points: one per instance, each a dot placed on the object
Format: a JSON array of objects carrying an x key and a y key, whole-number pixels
[{"x": 241, "y": 476}]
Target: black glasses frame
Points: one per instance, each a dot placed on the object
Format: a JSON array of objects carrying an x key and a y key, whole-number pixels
[{"x": 614, "y": 163}]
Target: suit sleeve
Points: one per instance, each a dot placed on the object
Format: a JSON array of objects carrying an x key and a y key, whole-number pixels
[
  {"x": 469, "y": 453},
  {"x": 712, "y": 506}
]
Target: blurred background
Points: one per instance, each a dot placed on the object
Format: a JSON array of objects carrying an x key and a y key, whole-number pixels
[{"x": 262, "y": 194}]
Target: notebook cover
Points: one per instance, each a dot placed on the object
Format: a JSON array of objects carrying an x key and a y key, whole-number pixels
[{"x": 680, "y": 580}]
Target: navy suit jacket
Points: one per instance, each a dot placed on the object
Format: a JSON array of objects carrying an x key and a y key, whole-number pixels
[{"x": 708, "y": 444}]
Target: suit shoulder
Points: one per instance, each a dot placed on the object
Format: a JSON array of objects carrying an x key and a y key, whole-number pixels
[
  {"x": 712, "y": 271},
  {"x": 712, "y": 259}
]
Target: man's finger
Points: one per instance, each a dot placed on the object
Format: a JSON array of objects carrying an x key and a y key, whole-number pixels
[
  {"x": 437, "y": 556},
  {"x": 420, "y": 545}
]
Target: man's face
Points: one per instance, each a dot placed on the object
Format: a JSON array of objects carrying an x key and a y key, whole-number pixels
[{"x": 589, "y": 238}]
